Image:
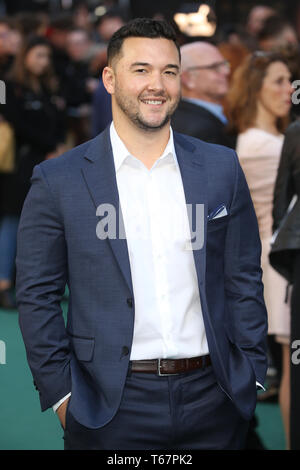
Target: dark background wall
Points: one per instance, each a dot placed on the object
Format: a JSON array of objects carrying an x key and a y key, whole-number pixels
[{"x": 228, "y": 11}]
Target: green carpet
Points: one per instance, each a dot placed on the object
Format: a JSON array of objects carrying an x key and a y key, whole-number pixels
[
  {"x": 22, "y": 424},
  {"x": 24, "y": 427},
  {"x": 270, "y": 428}
]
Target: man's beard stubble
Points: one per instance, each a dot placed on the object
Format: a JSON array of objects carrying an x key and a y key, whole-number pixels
[{"x": 136, "y": 117}]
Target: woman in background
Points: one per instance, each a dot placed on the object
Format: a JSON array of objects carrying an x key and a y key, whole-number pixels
[
  {"x": 37, "y": 117},
  {"x": 259, "y": 104}
]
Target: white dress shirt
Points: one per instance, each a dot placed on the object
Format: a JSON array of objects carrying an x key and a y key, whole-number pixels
[{"x": 168, "y": 315}]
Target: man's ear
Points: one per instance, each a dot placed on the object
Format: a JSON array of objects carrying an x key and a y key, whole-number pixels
[{"x": 108, "y": 78}]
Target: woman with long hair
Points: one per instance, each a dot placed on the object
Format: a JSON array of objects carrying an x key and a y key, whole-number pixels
[
  {"x": 36, "y": 114},
  {"x": 259, "y": 103}
]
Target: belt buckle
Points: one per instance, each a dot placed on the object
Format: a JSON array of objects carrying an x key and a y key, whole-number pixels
[{"x": 159, "y": 370}]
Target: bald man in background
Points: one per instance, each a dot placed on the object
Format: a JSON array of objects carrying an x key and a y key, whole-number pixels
[{"x": 204, "y": 85}]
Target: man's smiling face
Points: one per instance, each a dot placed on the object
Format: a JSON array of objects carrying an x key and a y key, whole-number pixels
[{"x": 146, "y": 85}]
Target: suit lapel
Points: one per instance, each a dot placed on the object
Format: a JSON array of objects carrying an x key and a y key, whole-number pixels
[
  {"x": 194, "y": 178},
  {"x": 99, "y": 174}
]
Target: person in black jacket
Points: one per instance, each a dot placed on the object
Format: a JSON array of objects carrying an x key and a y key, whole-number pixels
[
  {"x": 285, "y": 255},
  {"x": 36, "y": 115},
  {"x": 204, "y": 85}
]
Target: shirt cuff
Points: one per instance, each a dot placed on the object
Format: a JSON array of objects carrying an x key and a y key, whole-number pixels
[
  {"x": 57, "y": 405},
  {"x": 260, "y": 386}
]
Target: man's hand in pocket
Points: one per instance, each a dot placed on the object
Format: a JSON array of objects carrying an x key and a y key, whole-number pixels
[{"x": 61, "y": 412}]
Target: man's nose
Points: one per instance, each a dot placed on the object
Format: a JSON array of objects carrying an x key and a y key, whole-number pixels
[{"x": 156, "y": 82}]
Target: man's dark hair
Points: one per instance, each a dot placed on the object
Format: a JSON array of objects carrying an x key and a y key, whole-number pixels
[{"x": 140, "y": 28}]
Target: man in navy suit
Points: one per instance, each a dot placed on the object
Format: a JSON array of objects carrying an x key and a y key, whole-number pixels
[{"x": 156, "y": 237}]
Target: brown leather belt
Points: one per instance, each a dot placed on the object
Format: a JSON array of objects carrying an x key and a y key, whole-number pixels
[{"x": 170, "y": 366}]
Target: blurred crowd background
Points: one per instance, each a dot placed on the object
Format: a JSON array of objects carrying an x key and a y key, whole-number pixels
[{"x": 240, "y": 66}]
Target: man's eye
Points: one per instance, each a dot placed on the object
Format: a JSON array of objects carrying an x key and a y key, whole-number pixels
[
  {"x": 170, "y": 72},
  {"x": 140, "y": 70}
]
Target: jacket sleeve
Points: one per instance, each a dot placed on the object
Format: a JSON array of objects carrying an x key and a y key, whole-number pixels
[
  {"x": 243, "y": 278},
  {"x": 284, "y": 189},
  {"x": 40, "y": 283}
]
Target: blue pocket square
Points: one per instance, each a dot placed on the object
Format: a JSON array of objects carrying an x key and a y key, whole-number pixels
[{"x": 219, "y": 211}]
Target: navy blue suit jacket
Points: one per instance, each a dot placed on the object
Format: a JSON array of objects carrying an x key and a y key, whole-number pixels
[{"x": 58, "y": 244}]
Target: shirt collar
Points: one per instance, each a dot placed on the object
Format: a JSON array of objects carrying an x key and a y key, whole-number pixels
[{"x": 120, "y": 152}]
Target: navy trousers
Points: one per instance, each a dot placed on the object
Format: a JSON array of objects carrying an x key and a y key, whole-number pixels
[{"x": 185, "y": 411}]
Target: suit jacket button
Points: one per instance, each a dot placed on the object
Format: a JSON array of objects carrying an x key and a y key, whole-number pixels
[
  {"x": 125, "y": 351},
  {"x": 130, "y": 302}
]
